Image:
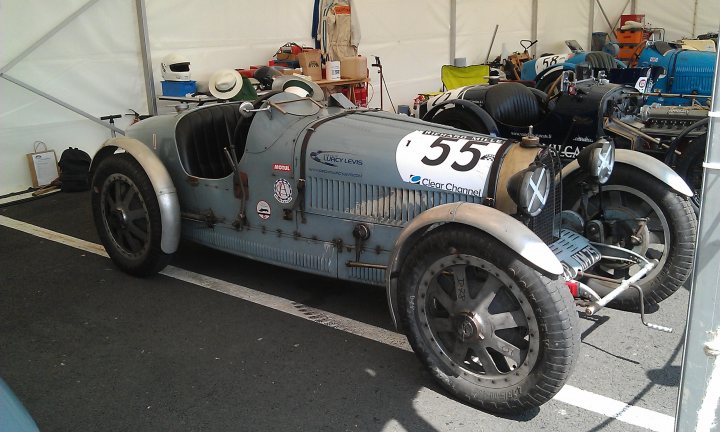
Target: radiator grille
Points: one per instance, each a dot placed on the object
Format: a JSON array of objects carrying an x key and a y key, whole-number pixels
[
  {"x": 382, "y": 204},
  {"x": 546, "y": 225}
]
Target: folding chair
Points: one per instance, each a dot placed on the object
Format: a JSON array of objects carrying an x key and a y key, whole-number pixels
[{"x": 458, "y": 76}]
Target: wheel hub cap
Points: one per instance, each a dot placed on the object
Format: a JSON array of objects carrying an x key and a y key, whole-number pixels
[
  {"x": 469, "y": 327},
  {"x": 120, "y": 217}
]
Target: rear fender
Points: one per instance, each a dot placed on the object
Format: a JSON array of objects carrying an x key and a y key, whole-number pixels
[
  {"x": 504, "y": 228},
  {"x": 646, "y": 163},
  {"x": 159, "y": 178}
]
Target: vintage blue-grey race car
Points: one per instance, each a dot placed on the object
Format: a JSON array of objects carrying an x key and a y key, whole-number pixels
[{"x": 463, "y": 229}]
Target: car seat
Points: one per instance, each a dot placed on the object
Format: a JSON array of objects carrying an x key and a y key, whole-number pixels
[{"x": 202, "y": 136}]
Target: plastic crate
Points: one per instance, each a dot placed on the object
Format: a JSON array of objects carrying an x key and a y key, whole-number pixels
[
  {"x": 178, "y": 88},
  {"x": 629, "y": 36}
]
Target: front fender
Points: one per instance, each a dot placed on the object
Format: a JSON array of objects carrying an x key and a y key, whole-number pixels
[
  {"x": 646, "y": 163},
  {"x": 160, "y": 180},
  {"x": 504, "y": 228}
]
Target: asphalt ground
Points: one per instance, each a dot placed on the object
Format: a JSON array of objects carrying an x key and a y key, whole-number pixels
[{"x": 87, "y": 348}]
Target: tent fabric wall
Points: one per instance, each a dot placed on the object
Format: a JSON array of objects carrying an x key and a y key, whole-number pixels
[
  {"x": 95, "y": 63},
  {"x": 476, "y": 21},
  {"x": 92, "y": 64}
]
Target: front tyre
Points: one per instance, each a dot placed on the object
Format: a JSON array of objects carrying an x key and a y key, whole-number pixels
[
  {"x": 127, "y": 215},
  {"x": 489, "y": 328},
  {"x": 642, "y": 214}
]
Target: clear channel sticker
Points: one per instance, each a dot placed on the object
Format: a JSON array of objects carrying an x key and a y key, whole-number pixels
[
  {"x": 450, "y": 162},
  {"x": 282, "y": 191},
  {"x": 263, "y": 210}
]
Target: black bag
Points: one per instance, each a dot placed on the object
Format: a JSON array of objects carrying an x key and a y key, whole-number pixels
[{"x": 74, "y": 170}]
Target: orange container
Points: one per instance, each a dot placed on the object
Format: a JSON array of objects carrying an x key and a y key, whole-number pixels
[{"x": 629, "y": 36}]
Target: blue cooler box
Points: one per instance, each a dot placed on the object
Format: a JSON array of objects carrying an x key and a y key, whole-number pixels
[{"x": 178, "y": 88}]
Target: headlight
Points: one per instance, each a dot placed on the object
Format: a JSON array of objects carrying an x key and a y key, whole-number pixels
[
  {"x": 598, "y": 160},
  {"x": 529, "y": 189}
]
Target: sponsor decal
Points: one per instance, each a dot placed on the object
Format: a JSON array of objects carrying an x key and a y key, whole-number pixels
[
  {"x": 281, "y": 167},
  {"x": 335, "y": 158},
  {"x": 456, "y": 163},
  {"x": 539, "y": 135},
  {"x": 335, "y": 172},
  {"x": 653, "y": 59},
  {"x": 263, "y": 210},
  {"x": 641, "y": 84},
  {"x": 566, "y": 152},
  {"x": 449, "y": 187},
  {"x": 583, "y": 139},
  {"x": 282, "y": 191}
]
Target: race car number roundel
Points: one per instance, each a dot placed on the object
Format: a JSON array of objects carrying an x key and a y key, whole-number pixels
[{"x": 445, "y": 161}]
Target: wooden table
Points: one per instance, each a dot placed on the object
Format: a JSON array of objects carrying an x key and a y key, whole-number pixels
[{"x": 347, "y": 83}]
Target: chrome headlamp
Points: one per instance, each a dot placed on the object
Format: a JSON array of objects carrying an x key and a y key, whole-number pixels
[
  {"x": 598, "y": 160},
  {"x": 530, "y": 189}
]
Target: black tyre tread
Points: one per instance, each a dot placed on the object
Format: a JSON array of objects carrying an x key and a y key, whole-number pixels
[
  {"x": 683, "y": 226},
  {"x": 554, "y": 308},
  {"x": 156, "y": 259},
  {"x": 461, "y": 119}
]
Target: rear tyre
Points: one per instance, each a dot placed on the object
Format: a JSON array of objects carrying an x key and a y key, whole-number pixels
[
  {"x": 489, "y": 328},
  {"x": 127, "y": 216},
  {"x": 461, "y": 119},
  {"x": 668, "y": 235}
]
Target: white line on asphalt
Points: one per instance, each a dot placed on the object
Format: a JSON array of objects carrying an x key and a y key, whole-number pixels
[{"x": 570, "y": 395}]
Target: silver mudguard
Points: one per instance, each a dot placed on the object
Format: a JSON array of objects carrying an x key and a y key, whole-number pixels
[
  {"x": 646, "y": 163},
  {"x": 504, "y": 228},
  {"x": 160, "y": 180}
]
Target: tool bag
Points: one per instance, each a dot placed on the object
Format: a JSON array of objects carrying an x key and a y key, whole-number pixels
[{"x": 74, "y": 170}]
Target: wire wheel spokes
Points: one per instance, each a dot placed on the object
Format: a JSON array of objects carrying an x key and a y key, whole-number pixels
[
  {"x": 641, "y": 217},
  {"x": 478, "y": 320},
  {"x": 125, "y": 215}
]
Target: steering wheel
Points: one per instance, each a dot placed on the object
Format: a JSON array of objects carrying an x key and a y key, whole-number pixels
[{"x": 531, "y": 43}]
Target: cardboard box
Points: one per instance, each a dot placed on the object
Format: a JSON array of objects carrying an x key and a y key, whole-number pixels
[
  {"x": 311, "y": 64},
  {"x": 353, "y": 67}
]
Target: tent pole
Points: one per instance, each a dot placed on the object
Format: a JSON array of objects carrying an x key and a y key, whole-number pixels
[
  {"x": 698, "y": 399},
  {"x": 453, "y": 30},
  {"x": 39, "y": 92},
  {"x": 533, "y": 27},
  {"x": 145, "y": 50},
  {"x": 591, "y": 24},
  {"x": 47, "y": 36}
]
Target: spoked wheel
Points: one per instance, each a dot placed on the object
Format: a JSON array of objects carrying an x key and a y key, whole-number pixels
[
  {"x": 127, "y": 216},
  {"x": 490, "y": 329},
  {"x": 642, "y": 214}
]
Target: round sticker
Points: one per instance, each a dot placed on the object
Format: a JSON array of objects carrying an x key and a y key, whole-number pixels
[
  {"x": 263, "y": 210},
  {"x": 283, "y": 191},
  {"x": 450, "y": 162}
]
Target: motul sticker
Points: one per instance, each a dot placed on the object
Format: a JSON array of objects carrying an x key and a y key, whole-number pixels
[
  {"x": 282, "y": 191},
  {"x": 450, "y": 162},
  {"x": 281, "y": 167},
  {"x": 263, "y": 210}
]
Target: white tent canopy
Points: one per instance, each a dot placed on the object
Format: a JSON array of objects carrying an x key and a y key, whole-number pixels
[{"x": 94, "y": 62}]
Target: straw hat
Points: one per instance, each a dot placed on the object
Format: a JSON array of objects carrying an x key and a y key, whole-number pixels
[{"x": 225, "y": 83}]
